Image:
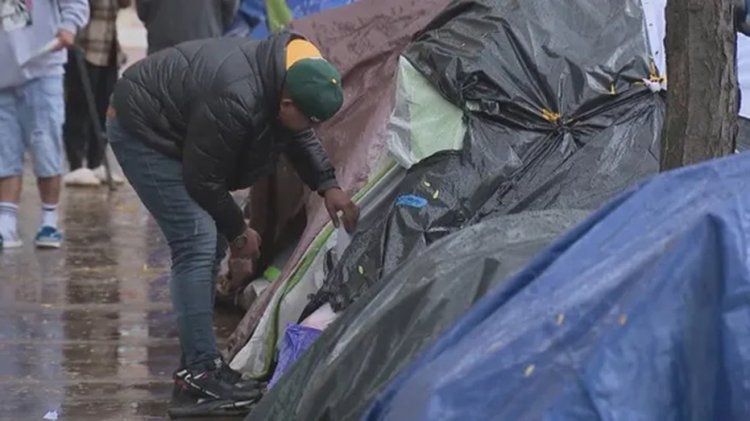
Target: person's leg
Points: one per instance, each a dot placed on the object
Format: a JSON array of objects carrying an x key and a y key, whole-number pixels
[
  {"x": 192, "y": 238},
  {"x": 42, "y": 117},
  {"x": 103, "y": 80},
  {"x": 11, "y": 167},
  {"x": 107, "y": 77},
  {"x": 75, "y": 129},
  {"x": 190, "y": 233}
]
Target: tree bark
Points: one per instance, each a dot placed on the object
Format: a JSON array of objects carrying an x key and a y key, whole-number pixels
[{"x": 702, "y": 93}]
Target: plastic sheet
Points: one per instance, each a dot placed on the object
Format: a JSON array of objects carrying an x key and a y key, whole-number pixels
[
  {"x": 377, "y": 336},
  {"x": 252, "y": 17},
  {"x": 557, "y": 113},
  {"x": 641, "y": 312},
  {"x": 557, "y": 117},
  {"x": 423, "y": 122},
  {"x": 297, "y": 339}
]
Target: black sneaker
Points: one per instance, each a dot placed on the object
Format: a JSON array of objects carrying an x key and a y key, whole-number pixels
[
  {"x": 187, "y": 405},
  {"x": 218, "y": 383},
  {"x": 235, "y": 378}
]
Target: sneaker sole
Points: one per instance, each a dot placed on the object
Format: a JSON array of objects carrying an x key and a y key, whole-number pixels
[
  {"x": 12, "y": 246},
  {"x": 211, "y": 409},
  {"x": 47, "y": 245}
]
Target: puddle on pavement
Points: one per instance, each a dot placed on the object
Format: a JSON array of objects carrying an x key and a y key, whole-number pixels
[{"x": 87, "y": 330}]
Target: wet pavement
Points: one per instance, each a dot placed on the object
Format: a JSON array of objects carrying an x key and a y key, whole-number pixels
[{"x": 87, "y": 330}]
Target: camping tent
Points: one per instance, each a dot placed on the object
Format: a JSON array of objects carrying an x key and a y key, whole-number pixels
[
  {"x": 367, "y": 55},
  {"x": 556, "y": 115},
  {"x": 552, "y": 111},
  {"x": 641, "y": 312}
]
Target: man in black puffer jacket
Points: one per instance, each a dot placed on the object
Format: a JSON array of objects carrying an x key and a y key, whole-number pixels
[{"x": 193, "y": 122}]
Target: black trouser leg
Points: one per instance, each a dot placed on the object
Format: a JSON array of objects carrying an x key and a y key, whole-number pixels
[
  {"x": 76, "y": 127},
  {"x": 103, "y": 80}
]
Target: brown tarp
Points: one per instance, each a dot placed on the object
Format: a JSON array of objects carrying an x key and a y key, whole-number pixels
[{"x": 364, "y": 40}]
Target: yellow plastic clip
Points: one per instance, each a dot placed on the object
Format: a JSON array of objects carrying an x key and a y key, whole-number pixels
[
  {"x": 653, "y": 73},
  {"x": 550, "y": 116}
]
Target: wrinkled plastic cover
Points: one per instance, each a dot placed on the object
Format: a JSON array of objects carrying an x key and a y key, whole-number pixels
[
  {"x": 557, "y": 117},
  {"x": 642, "y": 312},
  {"x": 370, "y": 342},
  {"x": 297, "y": 339},
  {"x": 423, "y": 122}
]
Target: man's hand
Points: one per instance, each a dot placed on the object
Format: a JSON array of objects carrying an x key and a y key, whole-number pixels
[
  {"x": 251, "y": 247},
  {"x": 65, "y": 39},
  {"x": 337, "y": 201}
]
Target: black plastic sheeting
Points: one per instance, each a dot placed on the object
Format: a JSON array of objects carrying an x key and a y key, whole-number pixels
[
  {"x": 378, "y": 335},
  {"x": 743, "y": 138},
  {"x": 558, "y": 118},
  {"x": 448, "y": 193}
]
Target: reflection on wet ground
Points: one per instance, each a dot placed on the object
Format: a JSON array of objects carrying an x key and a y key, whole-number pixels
[{"x": 88, "y": 330}]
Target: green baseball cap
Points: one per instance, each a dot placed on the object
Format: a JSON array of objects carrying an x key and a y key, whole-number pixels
[{"x": 315, "y": 87}]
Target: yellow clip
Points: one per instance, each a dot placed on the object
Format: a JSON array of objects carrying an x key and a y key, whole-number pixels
[
  {"x": 612, "y": 89},
  {"x": 361, "y": 270},
  {"x": 550, "y": 116},
  {"x": 427, "y": 184},
  {"x": 653, "y": 73},
  {"x": 436, "y": 194},
  {"x": 560, "y": 319}
]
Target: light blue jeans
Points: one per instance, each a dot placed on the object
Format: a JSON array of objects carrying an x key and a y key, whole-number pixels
[
  {"x": 197, "y": 249},
  {"x": 31, "y": 118}
]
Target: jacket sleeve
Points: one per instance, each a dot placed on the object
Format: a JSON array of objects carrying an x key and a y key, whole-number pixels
[
  {"x": 228, "y": 11},
  {"x": 209, "y": 155},
  {"x": 311, "y": 161},
  {"x": 142, "y": 8},
  {"x": 74, "y": 14}
]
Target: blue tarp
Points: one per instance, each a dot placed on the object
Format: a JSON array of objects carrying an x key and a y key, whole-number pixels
[
  {"x": 252, "y": 14},
  {"x": 297, "y": 339},
  {"x": 640, "y": 313}
]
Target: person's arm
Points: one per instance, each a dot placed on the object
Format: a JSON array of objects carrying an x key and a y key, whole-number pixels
[
  {"x": 142, "y": 9},
  {"x": 74, "y": 15},
  {"x": 311, "y": 162},
  {"x": 228, "y": 11},
  {"x": 210, "y": 152}
]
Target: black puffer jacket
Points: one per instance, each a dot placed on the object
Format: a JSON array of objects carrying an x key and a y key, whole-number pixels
[{"x": 213, "y": 105}]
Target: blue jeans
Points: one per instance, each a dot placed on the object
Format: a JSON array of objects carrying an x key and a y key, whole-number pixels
[
  {"x": 197, "y": 249},
  {"x": 31, "y": 118}
]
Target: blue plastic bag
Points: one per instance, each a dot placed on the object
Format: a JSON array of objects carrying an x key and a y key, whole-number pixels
[{"x": 297, "y": 339}]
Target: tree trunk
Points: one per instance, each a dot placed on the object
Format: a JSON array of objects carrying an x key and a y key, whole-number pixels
[{"x": 702, "y": 93}]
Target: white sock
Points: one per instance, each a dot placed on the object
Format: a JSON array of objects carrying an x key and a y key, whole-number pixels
[
  {"x": 8, "y": 220},
  {"x": 49, "y": 215}
]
